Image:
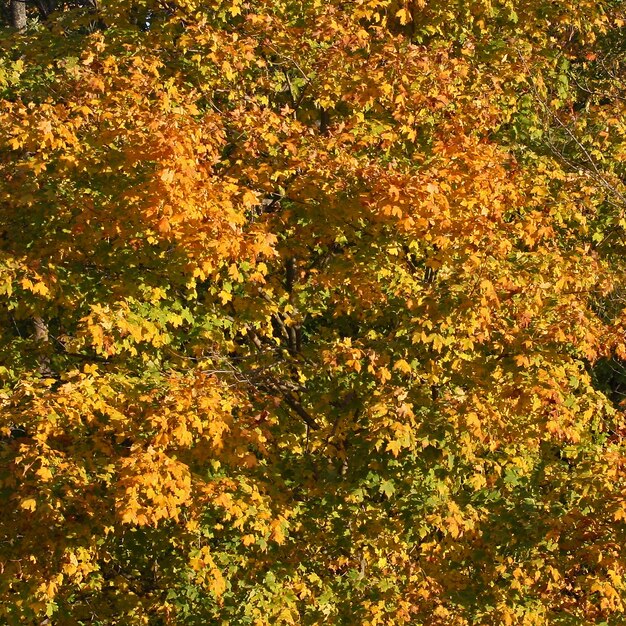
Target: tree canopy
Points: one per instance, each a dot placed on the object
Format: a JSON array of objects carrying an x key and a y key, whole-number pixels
[{"x": 313, "y": 312}]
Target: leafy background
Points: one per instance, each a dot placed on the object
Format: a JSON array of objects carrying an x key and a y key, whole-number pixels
[{"x": 312, "y": 312}]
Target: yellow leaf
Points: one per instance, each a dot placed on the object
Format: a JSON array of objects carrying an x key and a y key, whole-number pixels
[
  {"x": 164, "y": 225},
  {"x": 217, "y": 583},
  {"x": 30, "y": 504},
  {"x": 354, "y": 364},
  {"x": 472, "y": 420},
  {"x": 249, "y": 198},
  {"x": 404, "y": 15},
  {"x": 394, "y": 447},
  {"x": 277, "y": 534},
  {"x": 45, "y": 474},
  {"x": 98, "y": 335},
  {"x": 167, "y": 176},
  {"x": 403, "y": 366},
  {"x": 384, "y": 374}
]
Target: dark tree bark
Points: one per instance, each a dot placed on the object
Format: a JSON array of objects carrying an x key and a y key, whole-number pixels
[
  {"x": 45, "y": 7},
  {"x": 42, "y": 337}
]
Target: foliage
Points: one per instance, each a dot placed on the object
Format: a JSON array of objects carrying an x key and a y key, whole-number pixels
[{"x": 309, "y": 313}]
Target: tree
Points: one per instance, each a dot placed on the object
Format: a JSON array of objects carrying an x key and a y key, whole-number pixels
[
  {"x": 17, "y": 10},
  {"x": 306, "y": 313}
]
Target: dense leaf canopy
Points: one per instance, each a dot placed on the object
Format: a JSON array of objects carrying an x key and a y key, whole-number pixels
[{"x": 313, "y": 312}]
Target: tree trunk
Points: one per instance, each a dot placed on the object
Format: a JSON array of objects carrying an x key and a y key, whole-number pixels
[
  {"x": 18, "y": 14},
  {"x": 42, "y": 338}
]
